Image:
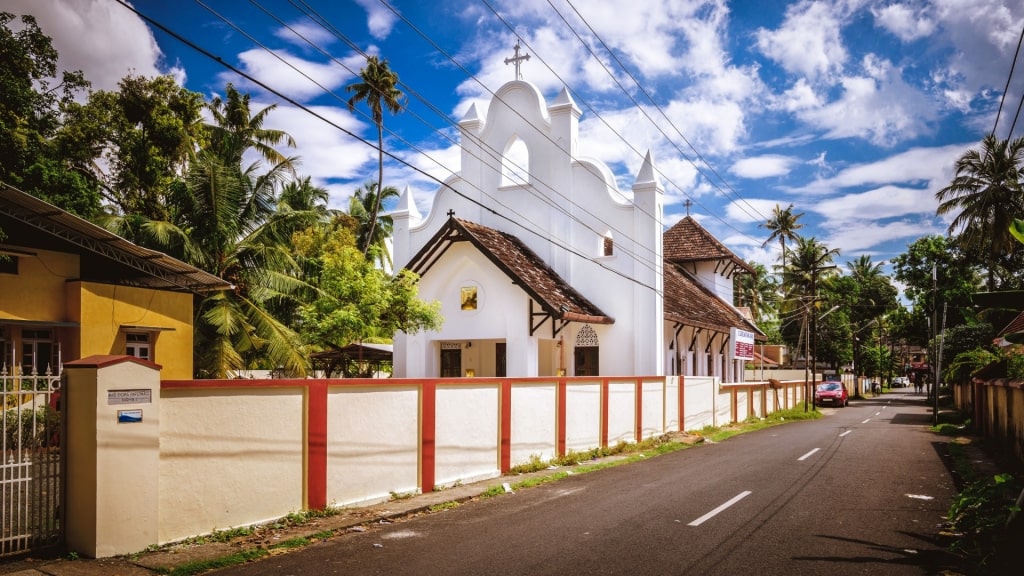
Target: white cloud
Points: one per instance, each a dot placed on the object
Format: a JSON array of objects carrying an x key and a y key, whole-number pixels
[
  {"x": 763, "y": 166},
  {"x": 877, "y": 204},
  {"x": 379, "y": 19},
  {"x": 304, "y": 33},
  {"x": 878, "y": 106},
  {"x": 122, "y": 44},
  {"x": 913, "y": 166},
  {"x": 808, "y": 43},
  {"x": 295, "y": 77},
  {"x": 906, "y": 21}
]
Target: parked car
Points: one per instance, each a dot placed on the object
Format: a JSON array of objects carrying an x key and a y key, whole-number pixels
[
  {"x": 900, "y": 382},
  {"x": 832, "y": 394}
]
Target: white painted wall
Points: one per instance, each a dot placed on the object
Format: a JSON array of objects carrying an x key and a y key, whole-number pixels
[
  {"x": 372, "y": 443},
  {"x": 228, "y": 457},
  {"x": 534, "y": 413},
  {"x": 467, "y": 436}
]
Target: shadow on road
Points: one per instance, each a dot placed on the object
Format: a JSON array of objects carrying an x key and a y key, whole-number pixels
[{"x": 934, "y": 559}]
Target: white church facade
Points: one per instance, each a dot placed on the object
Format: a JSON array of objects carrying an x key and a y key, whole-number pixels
[{"x": 543, "y": 267}]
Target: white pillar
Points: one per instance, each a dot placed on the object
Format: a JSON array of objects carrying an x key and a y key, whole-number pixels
[{"x": 112, "y": 411}]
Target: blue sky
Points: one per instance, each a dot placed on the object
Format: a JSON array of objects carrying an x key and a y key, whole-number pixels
[{"x": 853, "y": 111}]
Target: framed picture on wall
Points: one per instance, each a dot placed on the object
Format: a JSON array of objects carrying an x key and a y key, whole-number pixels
[{"x": 469, "y": 298}]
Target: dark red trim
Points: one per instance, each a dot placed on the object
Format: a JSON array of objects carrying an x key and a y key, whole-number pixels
[
  {"x": 316, "y": 445},
  {"x": 682, "y": 404},
  {"x": 638, "y": 424},
  {"x": 604, "y": 413},
  {"x": 428, "y": 431},
  {"x": 560, "y": 409},
  {"x": 505, "y": 408},
  {"x": 104, "y": 360}
]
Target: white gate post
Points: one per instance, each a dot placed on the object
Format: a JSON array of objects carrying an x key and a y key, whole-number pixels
[{"x": 111, "y": 408}]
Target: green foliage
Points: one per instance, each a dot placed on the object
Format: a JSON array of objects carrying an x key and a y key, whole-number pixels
[
  {"x": 1015, "y": 367},
  {"x": 980, "y": 511},
  {"x": 986, "y": 197},
  {"x": 29, "y": 428},
  {"x": 32, "y": 103},
  {"x": 357, "y": 301},
  {"x": 147, "y": 130},
  {"x": 967, "y": 363},
  {"x": 957, "y": 279}
]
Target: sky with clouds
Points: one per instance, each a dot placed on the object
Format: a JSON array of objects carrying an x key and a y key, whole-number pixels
[{"x": 853, "y": 111}]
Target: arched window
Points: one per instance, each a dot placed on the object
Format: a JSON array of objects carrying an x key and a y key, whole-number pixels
[
  {"x": 515, "y": 164},
  {"x": 586, "y": 353}
]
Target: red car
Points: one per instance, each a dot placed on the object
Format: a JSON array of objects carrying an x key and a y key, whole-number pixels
[{"x": 831, "y": 393}]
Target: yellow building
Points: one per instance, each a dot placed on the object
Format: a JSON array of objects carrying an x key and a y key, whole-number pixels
[{"x": 70, "y": 289}]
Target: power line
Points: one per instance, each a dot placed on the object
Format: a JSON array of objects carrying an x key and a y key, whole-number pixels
[
  {"x": 616, "y": 132},
  {"x": 656, "y": 106},
  {"x": 1007, "y": 89},
  {"x": 649, "y": 263},
  {"x": 298, "y": 105}
]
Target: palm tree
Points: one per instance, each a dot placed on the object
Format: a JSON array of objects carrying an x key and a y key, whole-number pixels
[
  {"x": 378, "y": 88},
  {"x": 757, "y": 291},
  {"x": 235, "y": 130},
  {"x": 234, "y": 231},
  {"x": 987, "y": 191},
  {"x": 372, "y": 234},
  {"x": 783, "y": 225}
]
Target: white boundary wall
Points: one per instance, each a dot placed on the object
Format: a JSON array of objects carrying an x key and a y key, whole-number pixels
[{"x": 217, "y": 454}]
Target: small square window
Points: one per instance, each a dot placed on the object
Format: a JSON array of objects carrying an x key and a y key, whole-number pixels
[
  {"x": 8, "y": 264},
  {"x": 137, "y": 344}
]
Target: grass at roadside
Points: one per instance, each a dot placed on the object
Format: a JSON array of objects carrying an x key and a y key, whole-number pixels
[
  {"x": 978, "y": 521},
  {"x": 628, "y": 452}
]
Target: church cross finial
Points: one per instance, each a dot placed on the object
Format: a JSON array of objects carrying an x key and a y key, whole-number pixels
[
  {"x": 688, "y": 203},
  {"x": 516, "y": 60}
]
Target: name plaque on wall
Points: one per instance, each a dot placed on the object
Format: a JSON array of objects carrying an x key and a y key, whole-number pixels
[{"x": 137, "y": 396}]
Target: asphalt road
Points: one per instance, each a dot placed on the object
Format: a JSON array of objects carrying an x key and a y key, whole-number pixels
[{"x": 861, "y": 491}]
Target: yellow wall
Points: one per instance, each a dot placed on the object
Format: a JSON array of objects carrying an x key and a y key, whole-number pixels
[
  {"x": 36, "y": 292},
  {"x": 105, "y": 308}
]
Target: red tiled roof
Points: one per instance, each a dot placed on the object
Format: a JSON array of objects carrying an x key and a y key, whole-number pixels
[
  {"x": 521, "y": 264},
  {"x": 1016, "y": 325},
  {"x": 689, "y": 303},
  {"x": 688, "y": 241}
]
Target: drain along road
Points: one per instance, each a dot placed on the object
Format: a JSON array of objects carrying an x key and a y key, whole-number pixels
[{"x": 861, "y": 491}]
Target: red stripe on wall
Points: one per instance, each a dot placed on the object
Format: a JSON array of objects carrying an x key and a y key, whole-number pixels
[
  {"x": 428, "y": 422},
  {"x": 638, "y": 423},
  {"x": 560, "y": 424},
  {"x": 604, "y": 413},
  {"x": 682, "y": 404},
  {"x": 316, "y": 446},
  {"x": 506, "y": 425}
]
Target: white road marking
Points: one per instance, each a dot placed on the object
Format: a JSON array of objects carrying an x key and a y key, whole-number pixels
[
  {"x": 866, "y": 421},
  {"x": 877, "y": 413},
  {"x": 920, "y": 496},
  {"x": 721, "y": 508},
  {"x": 808, "y": 455},
  {"x": 845, "y": 433}
]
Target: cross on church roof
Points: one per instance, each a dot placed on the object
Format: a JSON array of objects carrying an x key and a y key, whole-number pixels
[
  {"x": 688, "y": 203},
  {"x": 516, "y": 60}
]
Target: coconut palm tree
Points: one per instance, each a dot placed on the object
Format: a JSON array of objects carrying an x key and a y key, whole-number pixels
[
  {"x": 783, "y": 225},
  {"x": 757, "y": 291},
  {"x": 235, "y": 232},
  {"x": 378, "y": 87},
  {"x": 235, "y": 130},
  {"x": 987, "y": 192},
  {"x": 372, "y": 234}
]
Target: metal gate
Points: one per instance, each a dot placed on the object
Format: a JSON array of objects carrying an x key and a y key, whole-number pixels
[{"x": 30, "y": 470}]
